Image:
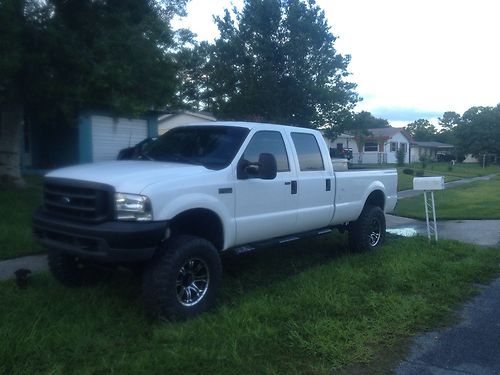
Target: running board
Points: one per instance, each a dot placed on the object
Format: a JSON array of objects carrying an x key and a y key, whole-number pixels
[{"x": 278, "y": 241}]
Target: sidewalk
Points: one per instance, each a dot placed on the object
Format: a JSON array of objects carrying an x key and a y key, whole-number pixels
[{"x": 35, "y": 263}]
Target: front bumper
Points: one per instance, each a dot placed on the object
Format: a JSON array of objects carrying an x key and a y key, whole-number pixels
[{"x": 108, "y": 242}]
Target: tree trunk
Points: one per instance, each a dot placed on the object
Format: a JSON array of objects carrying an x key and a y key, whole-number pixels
[{"x": 11, "y": 125}]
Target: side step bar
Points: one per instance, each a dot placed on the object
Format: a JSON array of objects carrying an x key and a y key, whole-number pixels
[{"x": 278, "y": 240}]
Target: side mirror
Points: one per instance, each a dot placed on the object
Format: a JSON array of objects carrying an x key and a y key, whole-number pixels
[{"x": 266, "y": 168}]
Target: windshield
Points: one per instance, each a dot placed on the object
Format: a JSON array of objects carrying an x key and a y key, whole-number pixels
[{"x": 213, "y": 147}]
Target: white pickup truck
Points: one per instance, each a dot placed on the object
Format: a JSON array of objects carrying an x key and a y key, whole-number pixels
[{"x": 199, "y": 191}]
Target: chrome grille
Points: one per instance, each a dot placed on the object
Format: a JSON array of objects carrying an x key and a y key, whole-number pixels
[{"x": 84, "y": 201}]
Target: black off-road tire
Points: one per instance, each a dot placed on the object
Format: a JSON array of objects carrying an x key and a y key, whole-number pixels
[
  {"x": 368, "y": 232},
  {"x": 73, "y": 272},
  {"x": 183, "y": 280}
]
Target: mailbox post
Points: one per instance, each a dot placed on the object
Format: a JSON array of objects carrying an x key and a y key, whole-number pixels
[{"x": 429, "y": 184}]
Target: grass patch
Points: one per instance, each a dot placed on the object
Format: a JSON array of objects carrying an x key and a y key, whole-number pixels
[
  {"x": 462, "y": 170},
  {"x": 297, "y": 309},
  {"x": 476, "y": 200},
  {"x": 16, "y": 208}
]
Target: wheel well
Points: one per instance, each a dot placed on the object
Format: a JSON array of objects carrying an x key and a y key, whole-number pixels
[
  {"x": 376, "y": 198},
  {"x": 199, "y": 222}
]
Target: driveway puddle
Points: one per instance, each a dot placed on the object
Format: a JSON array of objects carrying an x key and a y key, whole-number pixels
[{"x": 405, "y": 232}]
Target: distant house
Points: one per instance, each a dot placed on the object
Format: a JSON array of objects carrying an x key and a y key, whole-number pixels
[
  {"x": 379, "y": 146},
  {"x": 436, "y": 151},
  {"x": 344, "y": 142},
  {"x": 97, "y": 136},
  {"x": 171, "y": 120}
]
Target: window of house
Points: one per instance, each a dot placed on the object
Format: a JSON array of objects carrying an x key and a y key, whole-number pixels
[
  {"x": 268, "y": 142},
  {"x": 308, "y": 151},
  {"x": 371, "y": 147},
  {"x": 403, "y": 146},
  {"x": 394, "y": 146}
]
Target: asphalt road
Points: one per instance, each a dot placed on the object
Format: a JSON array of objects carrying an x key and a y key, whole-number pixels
[{"x": 470, "y": 347}]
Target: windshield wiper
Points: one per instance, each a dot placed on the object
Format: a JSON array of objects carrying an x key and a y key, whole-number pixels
[
  {"x": 145, "y": 155},
  {"x": 182, "y": 159}
]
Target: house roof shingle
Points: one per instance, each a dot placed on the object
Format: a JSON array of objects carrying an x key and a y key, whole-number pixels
[
  {"x": 387, "y": 133},
  {"x": 432, "y": 144}
]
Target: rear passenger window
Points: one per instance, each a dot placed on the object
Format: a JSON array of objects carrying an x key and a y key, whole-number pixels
[
  {"x": 268, "y": 142},
  {"x": 308, "y": 151}
]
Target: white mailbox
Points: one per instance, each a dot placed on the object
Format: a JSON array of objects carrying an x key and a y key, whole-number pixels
[{"x": 428, "y": 183}]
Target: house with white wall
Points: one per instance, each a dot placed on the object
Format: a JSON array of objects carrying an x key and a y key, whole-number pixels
[
  {"x": 429, "y": 150},
  {"x": 171, "y": 120},
  {"x": 342, "y": 142},
  {"x": 377, "y": 146},
  {"x": 97, "y": 136}
]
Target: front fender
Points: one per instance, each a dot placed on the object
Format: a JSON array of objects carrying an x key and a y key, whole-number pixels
[{"x": 204, "y": 201}]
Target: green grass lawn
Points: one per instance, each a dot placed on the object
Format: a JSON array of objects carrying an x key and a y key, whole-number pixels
[
  {"x": 306, "y": 308},
  {"x": 16, "y": 208},
  {"x": 476, "y": 200},
  {"x": 462, "y": 170}
]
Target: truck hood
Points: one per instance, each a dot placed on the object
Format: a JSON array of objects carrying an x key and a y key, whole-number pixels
[{"x": 131, "y": 176}]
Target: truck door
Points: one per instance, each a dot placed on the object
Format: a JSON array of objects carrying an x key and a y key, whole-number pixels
[
  {"x": 266, "y": 208},
  {"x": 315, "y": 184}
]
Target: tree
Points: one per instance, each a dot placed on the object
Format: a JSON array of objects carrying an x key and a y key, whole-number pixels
[
  {"x": 275, "y": 61},
  {"x": 358, "y": 124},
  {"x": 60, "y": 57},
  {"x": 421, "y": 130},
  {"x": 479, "y": 131},
  {"x": 449, "y": 120},
  {"x": 449, "y": 123},
  {"x": 365, "y": 120}
]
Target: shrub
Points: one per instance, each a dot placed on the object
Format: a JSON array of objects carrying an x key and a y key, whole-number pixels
[
  {"x": 424, "y": 160},
  {"x": 408, "y": 171},
  {"x": 400, "y": 156}
]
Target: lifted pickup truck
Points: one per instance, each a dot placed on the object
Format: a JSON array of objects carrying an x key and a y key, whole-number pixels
[{"x": 198, "y": 191}]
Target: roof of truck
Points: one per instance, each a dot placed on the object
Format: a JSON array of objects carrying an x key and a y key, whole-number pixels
[{"x": 252, "y": 125}]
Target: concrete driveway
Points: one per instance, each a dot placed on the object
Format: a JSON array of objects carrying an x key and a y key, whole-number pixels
[{"x": 478, "y": 232}]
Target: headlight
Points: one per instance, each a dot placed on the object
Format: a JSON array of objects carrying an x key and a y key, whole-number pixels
[{"x": 133, "y": 207}]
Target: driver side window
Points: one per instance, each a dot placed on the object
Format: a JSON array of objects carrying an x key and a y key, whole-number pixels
[{"x": 271, "y": 142}]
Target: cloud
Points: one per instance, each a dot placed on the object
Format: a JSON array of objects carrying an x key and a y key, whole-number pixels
[{"x": 404, "y": 114}]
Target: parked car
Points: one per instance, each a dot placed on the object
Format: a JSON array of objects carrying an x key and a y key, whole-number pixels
[
  {"x": 200, "y": 191},
  {"x": 441, "y": 156},
  {"x": 136, "y": 150}
]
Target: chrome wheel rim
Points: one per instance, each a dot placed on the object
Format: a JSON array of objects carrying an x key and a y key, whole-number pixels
[
  {"x": 374, "y": 230},
  {"x": 192, "y": 281}
]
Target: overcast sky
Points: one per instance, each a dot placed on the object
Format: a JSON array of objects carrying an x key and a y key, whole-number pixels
[{"x": 411, "y": 59}]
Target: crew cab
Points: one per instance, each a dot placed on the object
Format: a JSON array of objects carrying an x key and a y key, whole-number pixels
[{"x": 199, "y": 191}]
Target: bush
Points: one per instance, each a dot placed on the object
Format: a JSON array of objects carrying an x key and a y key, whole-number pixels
[
  {"x": 419, "y": 173},
  {"x": 408, "y": 171},
  {"x": 400, "y": 157},
  {"x": 424, "y": 160}
]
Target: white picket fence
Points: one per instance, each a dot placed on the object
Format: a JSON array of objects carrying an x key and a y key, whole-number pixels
[{"x": 369, "y": 158}]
